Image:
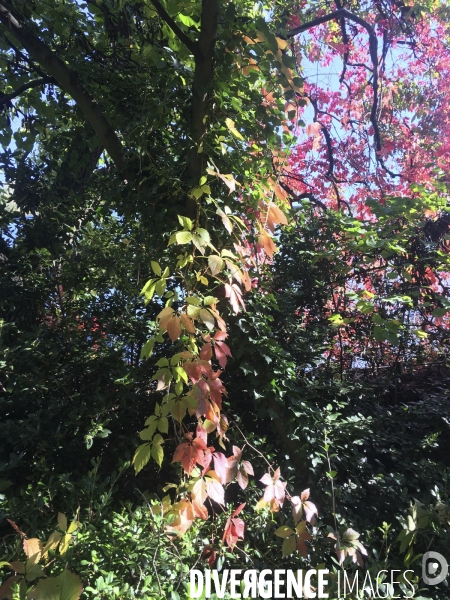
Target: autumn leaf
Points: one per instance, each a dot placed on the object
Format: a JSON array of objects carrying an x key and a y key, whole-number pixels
[
  {"x": 275, "y": 491},
  {"x": 164, "y": 316},
  {"x": 66, "y": 586},
  {"x": 282, "y": 195},
  {"x": 225, "y": 220},
  {"x": 174, "y": 328},
  {"x": 267, "y": 244},
  {"x": 232, "y": 128},
  {"x": 221, "y": 350},
  {"x": 235, "y": 296},
  {"x": 33, "y": 547},
  {"x": 275, "y": 216},
  {"x": 301, "y": 505},
  {"x": 302, "y": 537},
  {"x": 199, "y": 492},
  {"x": 234, "y": 528},
  {"x": 242, "y": 478},
  {"x": 214, "y": 488},
  {"x": 206, "y": 351},
  {"x": 221, "y": 467},
  {"x": 207, "y": 318},
  {"x": 215, "y": 264},
  {"x": 219, "y": 336},
  {"x": 189, "y": 453},
  {"x": 187, "y": 323}
]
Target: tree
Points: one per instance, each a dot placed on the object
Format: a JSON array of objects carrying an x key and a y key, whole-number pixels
[{"x": 147, "y": 154}]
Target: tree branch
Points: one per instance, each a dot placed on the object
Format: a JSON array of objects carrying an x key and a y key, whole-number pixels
[
  {"x": 70, "y": 82},
  {"x": 306, "y": 195},
  {"x": 4, "y": 98},
  {"x": 185, "y": 39},
  {"x": 342, "y": 14}
]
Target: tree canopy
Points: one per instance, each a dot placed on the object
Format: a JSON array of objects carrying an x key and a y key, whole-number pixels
[{"x": 224, "y": 291}]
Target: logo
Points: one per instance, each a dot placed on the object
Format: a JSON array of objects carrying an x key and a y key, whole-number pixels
[{"x": 432, "y": 562}]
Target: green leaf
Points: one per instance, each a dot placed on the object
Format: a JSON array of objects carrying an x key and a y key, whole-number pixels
[
  {"x": 163, "y": 425},
  {"x": 141, "y": 457},
  {"x": 289, "y": 546},
  {"x": 62, "y": 522},
  {"x": 180, "y": 373},
  {"x": 284, "y": 531},
  {"x": 147, "y": 348},
  {"x": 185, "y": 222},
  {"x": 157, "y": 451},
  {"x": 230, "y": 124},
  {"x": 66, "y": 586},
  {"x": 160, "y": 287},
  {"x": 155, "y": 268},
  {"x": 183, "y": 237},
  {"x": 147, "y": 434}
]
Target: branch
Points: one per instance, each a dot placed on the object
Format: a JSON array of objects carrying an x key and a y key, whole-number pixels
[
  {"x": 22, "y": 56},
  {"x": 342, "y": 14},
  {"x": 185, "y": 39},
  {"x": 346, "y": 42},
  {"x": 4, "y": 98},
  {"x": 70, "y": 82},
  {"x": 305, "y": 195}
]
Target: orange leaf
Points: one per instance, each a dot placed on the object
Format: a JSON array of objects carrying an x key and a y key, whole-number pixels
[
  {"x": 277, "y": 215},
  {"x": 281, "y": 194},
  {"x": 32, "y": 547},
  {"x": 187, "y": 323},
  {"x": 174, "y": 328},
  {"x": 189, "y": 454},
  {"x": 266, "y": 243}
]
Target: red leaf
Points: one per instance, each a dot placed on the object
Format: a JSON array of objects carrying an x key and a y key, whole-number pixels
[
  {"x": 209, "y": 555},
  {"x": 222, "y": 351},
  {"x": 206, "y": 352},
  {"x": 220, "y": 356},
  {"x": 234, "y": 528},
  {"x": 190, "y": 453},
  {"x": 219, "y": 336},
  {"x": 201, "y": 433},
  {"x": 239, "y": 509},
  {"x": 221, "y": 466}
]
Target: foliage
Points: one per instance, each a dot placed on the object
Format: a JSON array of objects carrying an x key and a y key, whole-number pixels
[{"x": 249, "y": 308}]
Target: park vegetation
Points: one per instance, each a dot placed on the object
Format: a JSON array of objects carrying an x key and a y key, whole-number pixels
[{"x": 224, "y": 292}]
